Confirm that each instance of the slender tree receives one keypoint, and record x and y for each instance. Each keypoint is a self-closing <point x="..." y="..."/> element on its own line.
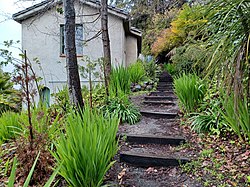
<point x="106" y="42"/>
<point x="71" y="59"/>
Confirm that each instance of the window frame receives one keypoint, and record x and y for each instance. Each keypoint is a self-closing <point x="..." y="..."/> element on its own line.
<point x="62" y="41"/>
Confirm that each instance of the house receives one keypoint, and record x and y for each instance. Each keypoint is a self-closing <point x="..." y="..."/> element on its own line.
<point x="43" y="38"/>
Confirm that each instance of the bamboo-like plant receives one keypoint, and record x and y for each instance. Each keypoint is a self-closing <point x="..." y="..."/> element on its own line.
<point x="87" y="147"/>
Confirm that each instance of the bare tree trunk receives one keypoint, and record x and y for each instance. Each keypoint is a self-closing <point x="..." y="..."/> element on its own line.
<point x="106" y="43"/>
<point x="71" y="59"/>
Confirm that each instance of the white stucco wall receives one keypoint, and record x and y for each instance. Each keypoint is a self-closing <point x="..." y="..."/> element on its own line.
<point x="131" y="50"/>
<point x="41" y="39"/>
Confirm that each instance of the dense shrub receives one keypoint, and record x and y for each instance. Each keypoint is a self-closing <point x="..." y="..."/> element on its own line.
<point x="87" y="147"/>
<point x="185" y="26"/>
<point x="190" y="90"/>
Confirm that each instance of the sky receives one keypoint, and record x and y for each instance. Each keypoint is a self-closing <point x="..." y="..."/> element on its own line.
<point x="9" y="29"/>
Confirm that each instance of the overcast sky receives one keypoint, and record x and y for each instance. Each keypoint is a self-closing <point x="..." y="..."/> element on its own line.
<point x="9" y="29"/>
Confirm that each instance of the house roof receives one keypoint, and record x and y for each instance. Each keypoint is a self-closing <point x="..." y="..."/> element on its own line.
<point x="48" y="4"/>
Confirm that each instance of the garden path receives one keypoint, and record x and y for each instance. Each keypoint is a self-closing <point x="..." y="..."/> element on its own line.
<point x="149" y="154"/>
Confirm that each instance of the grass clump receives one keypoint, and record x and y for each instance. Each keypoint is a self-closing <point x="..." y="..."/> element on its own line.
<point x="85" y="152"/>
<point x="10" y="126"/>
<point x="190" y="91"/>
<point x="137" y="72"/>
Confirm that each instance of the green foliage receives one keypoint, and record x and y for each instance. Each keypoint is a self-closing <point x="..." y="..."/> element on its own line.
<point x="44" y="122"/>
<point x="61" y="103"/>
<point x="184" y="27"/>
<point x="87" y="147"/>
<point x="119" y="84"/>
<point x="189" y="58"/>
<point x="9" y="98"/>
<point x="152" y="69"/>
<point x="137" y="72"/>
<point x="170" y="68"/>
<point x="10" y="126"/>
<point x="190" y="90"/>
<point x="98" y="95"/>
<point x="236" y="115"/>
<point x="206" y="121"/>
<point x="125" y="110"/>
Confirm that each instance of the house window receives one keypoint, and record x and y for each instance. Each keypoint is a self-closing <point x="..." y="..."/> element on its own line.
<point x="78" y="37"/>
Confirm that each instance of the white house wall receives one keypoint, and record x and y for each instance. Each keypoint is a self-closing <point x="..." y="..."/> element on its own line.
<point x="40" y="37"/>
<point x="131" y="50"/>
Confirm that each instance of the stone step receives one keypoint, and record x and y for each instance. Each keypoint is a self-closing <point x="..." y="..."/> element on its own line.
<point x="164" y="89"/>
<point x="147" y="160"/>
<point x="159" y="102"/>
<point x="159" y="114"/>
<point x="159" y="98"/>
<point x="162" y="93"/>
<point x="165" y="81"/>
<point x="154" y="139"/>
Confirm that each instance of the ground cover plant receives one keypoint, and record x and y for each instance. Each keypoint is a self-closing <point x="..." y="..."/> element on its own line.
<point x="85" y="152"/>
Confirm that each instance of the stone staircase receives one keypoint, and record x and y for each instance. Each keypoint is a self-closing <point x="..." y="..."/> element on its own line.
<point x="151" y="142"/>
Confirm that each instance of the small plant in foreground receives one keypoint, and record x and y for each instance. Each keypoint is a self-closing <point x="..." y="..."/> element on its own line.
<point x="87" y="147"/>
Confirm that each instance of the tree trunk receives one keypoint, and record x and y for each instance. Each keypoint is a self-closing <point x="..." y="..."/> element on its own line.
<point x="73" y="78"/>
<point x="106" y="43"/>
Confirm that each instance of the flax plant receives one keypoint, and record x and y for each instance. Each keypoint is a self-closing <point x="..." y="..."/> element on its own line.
<point x="86" y="149"/>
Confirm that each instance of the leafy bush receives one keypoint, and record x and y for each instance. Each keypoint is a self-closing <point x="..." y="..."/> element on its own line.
<point x="137" y="72"/>
<point x="126" y="111"/>
<point x="190" y="90"/>
<point x="119" y="84"/>
<point x="185" y="26"/>
<point x="85" y="152"/>
<point x="10" y="126"/>
<point x="237" y="115"/>
<point x="187" y="57"/>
